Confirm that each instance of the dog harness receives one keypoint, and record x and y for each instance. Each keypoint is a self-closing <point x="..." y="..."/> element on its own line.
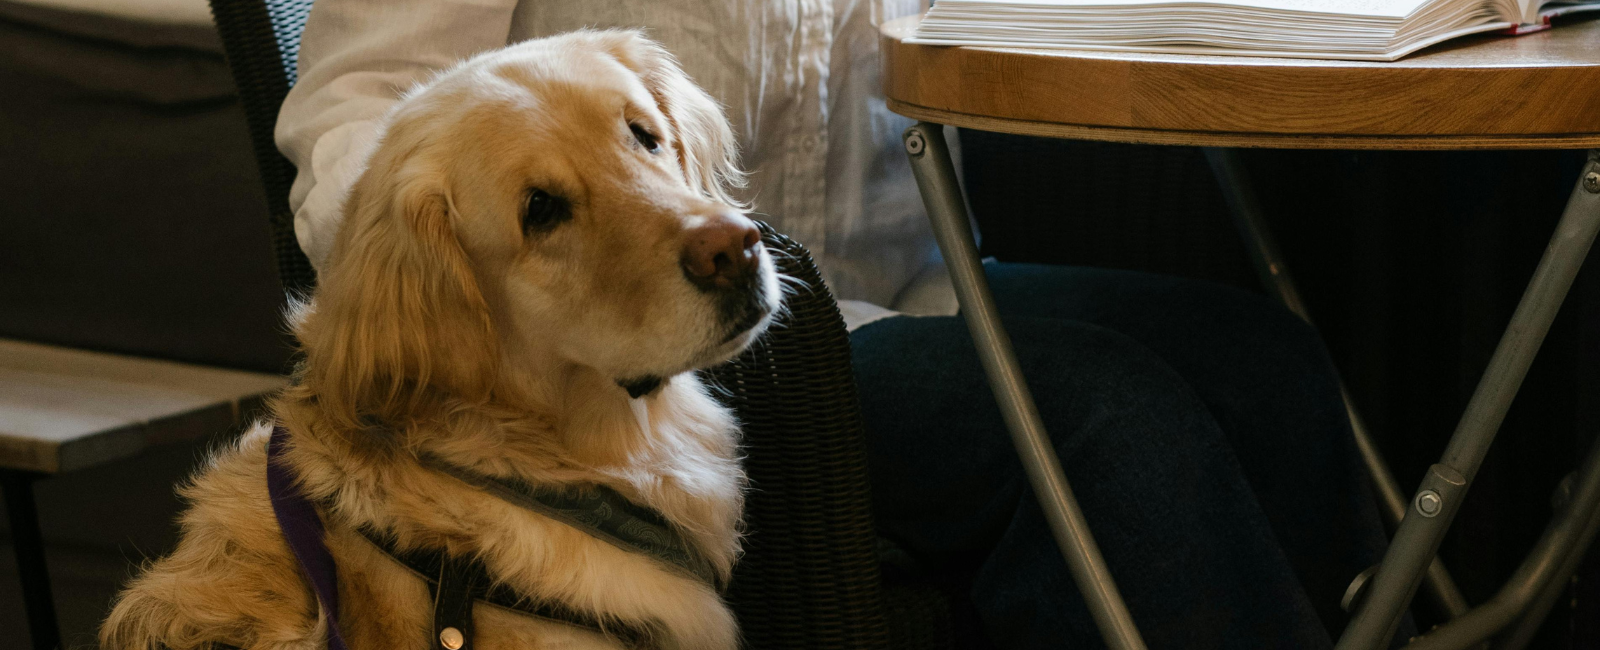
<point x="454" y="582"/>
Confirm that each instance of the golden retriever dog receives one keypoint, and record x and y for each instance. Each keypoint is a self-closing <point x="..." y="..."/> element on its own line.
<point x="542" y="231"/>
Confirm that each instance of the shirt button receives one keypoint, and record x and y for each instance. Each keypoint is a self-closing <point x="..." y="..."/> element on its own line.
<point x="808" y="143"/>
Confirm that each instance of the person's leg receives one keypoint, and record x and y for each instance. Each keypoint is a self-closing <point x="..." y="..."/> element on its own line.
<point x="1266" y="379"/>
<point x="1179" y="526"/>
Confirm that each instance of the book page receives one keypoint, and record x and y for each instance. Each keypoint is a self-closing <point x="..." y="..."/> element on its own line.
<point x="1528" y="11"/>
<point x="1374" y="8"/>
<point x="1542" y="11"/>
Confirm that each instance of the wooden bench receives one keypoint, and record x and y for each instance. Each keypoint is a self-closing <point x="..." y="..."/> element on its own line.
<point x="63" y="409"/>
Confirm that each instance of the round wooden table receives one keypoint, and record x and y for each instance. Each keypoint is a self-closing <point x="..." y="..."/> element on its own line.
<point x="1538" y="91"/>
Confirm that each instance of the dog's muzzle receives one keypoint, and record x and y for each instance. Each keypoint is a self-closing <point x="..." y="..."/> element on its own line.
<point x="742" y="306"/>
<point x="722" y="258"/>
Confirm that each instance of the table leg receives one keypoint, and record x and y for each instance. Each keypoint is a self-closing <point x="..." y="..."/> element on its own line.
<point x="1439" y="497"/>
<point x="29" y="547"/>
<point x="1263" y="248"/>
<point x="1533" y="616"/>
<point x="941" y="194"/>
<point x="1539" y="580"/>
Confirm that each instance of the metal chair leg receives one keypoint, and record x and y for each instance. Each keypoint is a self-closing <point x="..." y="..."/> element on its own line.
<point x="941" y="194"/>
<point x="1439" y="498"/>
<point x="31" y="571"/>
<point x="1251" y="221"/>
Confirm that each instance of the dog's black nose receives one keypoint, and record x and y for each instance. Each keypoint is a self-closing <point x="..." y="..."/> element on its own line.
<point x="721" y="251"/>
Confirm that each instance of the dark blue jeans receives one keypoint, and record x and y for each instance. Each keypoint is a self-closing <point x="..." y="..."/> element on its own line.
<point x="1201" y="428"/>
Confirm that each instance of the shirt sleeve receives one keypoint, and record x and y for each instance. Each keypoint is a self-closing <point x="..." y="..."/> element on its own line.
<point x="357" y="57"/>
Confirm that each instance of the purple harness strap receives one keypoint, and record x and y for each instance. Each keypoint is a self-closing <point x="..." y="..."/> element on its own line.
<point x="302" y="529"/>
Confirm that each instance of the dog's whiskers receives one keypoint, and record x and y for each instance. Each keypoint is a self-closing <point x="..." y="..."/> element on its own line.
<point x="790" y="285"/>
<point x="780" y="254"/>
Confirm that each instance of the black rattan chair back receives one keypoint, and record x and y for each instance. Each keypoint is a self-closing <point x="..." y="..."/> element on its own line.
<point x="261" y="39"/>
<point x="809" y="577"/>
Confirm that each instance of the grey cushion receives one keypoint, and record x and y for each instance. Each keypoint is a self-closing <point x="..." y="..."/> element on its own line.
<point x="132" y="220"/>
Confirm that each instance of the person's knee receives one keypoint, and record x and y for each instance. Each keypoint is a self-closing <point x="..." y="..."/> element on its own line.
<point x="1120" y="399"/>
<point x="1122" y="422"/>
<point x="1083" y="377"/>
<point x="1193" y="324"/>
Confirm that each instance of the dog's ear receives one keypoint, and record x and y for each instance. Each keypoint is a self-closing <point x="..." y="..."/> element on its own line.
<point x="398" y="315"/>
<point x="704" y="143"/>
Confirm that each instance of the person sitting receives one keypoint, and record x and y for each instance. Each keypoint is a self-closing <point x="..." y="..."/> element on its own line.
<point x="1202" y="426"/>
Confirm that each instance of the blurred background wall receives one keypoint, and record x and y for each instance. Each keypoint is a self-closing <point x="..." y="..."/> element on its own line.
<point x="131" y="221"/>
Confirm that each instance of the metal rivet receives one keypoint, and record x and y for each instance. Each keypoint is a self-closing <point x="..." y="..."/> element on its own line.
<point x="1591" y="182"/>
<point x="1429" y="503"/>
<point x="915" y="144"/>
<point x="451" y="638"/>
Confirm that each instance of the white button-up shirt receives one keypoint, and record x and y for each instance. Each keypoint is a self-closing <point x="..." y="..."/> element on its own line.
<point x="799" y="80"/>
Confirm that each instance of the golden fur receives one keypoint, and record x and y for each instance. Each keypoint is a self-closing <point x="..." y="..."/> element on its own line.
<point x="442" y="325"/>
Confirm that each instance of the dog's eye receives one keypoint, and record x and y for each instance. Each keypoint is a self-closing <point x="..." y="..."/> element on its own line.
<point x="646" y="139"/>
<point x="544" y="211"/>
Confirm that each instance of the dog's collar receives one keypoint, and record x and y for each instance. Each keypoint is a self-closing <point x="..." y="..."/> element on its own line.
<point x="640" y="386"/>
<point x="601" y="512"/>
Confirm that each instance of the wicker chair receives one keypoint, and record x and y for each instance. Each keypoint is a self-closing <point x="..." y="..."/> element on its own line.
<point x="810" y="575"/>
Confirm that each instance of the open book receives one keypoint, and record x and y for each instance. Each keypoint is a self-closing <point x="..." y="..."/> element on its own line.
<point x="1381" y="30"/>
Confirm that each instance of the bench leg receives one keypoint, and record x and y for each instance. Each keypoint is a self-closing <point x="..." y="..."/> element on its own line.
<point x="941" y="195"/>
<point x="1439" y="497"/>
<point x="29" y="547"/>
<point x="1263" y="248"/>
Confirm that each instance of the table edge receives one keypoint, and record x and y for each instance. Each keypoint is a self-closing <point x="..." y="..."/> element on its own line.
<point x="1130" y="135"/>
<point x="131" y="439"/>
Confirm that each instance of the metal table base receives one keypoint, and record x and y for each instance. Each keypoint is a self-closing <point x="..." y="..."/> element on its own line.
<point x="1251" y="221"/>
<point x="941" y="193"/>
<point x="1382" y="600"/>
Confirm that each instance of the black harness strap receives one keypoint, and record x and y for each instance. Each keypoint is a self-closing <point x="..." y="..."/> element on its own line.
<point x="465" y="580"/>
<point x="457" y="582"/>
<point x="600" y="511"/>
<point x="452" y="603"/>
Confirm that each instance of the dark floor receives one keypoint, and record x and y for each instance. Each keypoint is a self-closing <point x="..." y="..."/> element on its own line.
<point x="133" y="497"/>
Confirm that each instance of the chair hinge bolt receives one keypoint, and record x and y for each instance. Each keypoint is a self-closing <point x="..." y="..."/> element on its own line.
<point x="915" y="145"/>
<point x="1429" y="503"/>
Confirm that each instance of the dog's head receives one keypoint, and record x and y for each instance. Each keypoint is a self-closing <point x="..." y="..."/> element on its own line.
<point x="562" y="203"/>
